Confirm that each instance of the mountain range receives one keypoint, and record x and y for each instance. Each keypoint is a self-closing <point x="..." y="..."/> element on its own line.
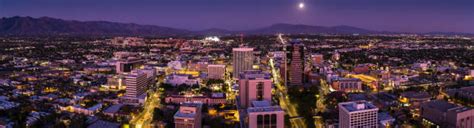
<point x="46" y="26"/>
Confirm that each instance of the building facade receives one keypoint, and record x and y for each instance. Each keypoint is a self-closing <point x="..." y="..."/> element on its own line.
<point x="254" y="85"/>
<point x="242" y="60"/>
<point x="447" y="115"/>
<point x="347" y="84"/>
<point x="263" y="115"/>
<point x="216" y="71"/>
<point x="358" y="114"/>
<point x="136" y="83"/>
<point x="188" y="116"/>
<point x="296" y="62"/>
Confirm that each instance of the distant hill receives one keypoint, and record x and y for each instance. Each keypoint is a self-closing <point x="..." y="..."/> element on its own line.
<point x="44" y="26"/>
<point x="50" y="26"/>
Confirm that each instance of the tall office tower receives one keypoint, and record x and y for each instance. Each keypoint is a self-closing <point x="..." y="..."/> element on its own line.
<point x="216" y="71"/>
<point x="136" y="83"/>
<point x="447" y="115"/>
<point x="358" y="114"/>
<point x="188" y="115"/>
<point x="242" y="60"/>
<point x="317" y="59"/>
<point x="296" y="61"/>
<point x="263" y="115"/>
<point x="254" y="85"/>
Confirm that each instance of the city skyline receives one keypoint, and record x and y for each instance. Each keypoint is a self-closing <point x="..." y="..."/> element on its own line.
<point x="417" y="16"/>
<point x="236" y="63"/>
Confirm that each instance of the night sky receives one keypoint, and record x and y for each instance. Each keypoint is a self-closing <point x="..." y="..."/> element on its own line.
<point x="389" y="15"/>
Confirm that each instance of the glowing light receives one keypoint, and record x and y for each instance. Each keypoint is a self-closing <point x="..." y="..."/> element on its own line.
<point x="301" y="5"/>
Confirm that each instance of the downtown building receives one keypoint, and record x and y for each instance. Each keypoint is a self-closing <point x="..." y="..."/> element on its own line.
<point x="254" y="85"/>
<point x="358" y="114"/>
<point x="127" y="65"/>
<point x="347" y="84"/>
<point x="242" y="60"/>
<point x="263" y="115"/>
<point x="188" y="115"/>
<point x="295" y="56"/>
<point x="215" y="71"/>
<point x="255" y="101"/>
<point x="447" y="115"/>
<point x="137" y="82"/>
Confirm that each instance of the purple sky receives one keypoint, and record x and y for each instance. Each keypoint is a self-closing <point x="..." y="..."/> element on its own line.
<point x="389" y="15"/>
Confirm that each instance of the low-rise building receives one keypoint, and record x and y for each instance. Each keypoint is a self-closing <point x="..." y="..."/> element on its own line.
<point x="447" y="115"/>
<point x="414" y="99"/>
<point x="179" y="79"/>
<point x="211" y="99"/>
<point x="347" y="84"/>
<point x="188" y="115"/>
<point x="215" y="71"/>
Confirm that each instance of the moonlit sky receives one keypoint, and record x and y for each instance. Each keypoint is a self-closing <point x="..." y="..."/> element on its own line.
<point x="382" y="15"/>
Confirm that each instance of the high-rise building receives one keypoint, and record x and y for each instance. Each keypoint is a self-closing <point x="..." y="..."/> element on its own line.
<point x="358" y="114"/>
<point x="136" y="83"/>
<point x="296" y="61"/>
<point x="263" y="115"/>
<point x="254" y="86"/>
<point x="188" y="115"/>
<point x="242" y="60"/>
<point x="215" y="71"/>
<point x="447" y="115"/>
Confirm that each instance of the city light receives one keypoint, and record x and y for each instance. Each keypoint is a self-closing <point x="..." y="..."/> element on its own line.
<point x="239" y="64"/>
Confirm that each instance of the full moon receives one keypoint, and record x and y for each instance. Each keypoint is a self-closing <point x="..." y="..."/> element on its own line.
<point x="301" y="5"/>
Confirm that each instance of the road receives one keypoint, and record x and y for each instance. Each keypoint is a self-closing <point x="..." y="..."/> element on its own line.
<point x="285" y="104"/>
<point x="143" y="119"/>
<point x="323" y="91"/>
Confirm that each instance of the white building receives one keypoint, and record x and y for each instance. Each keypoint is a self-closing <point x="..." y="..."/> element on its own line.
<point x="179" y="79"/>
<point x="357" y="114"/>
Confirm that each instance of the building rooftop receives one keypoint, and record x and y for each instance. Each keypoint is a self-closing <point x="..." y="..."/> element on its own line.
<point x="417" y="95"/>
<point x="357" y="105"/>
<point x="260" y="103"/>
<point x="444" y="106"/>
<point x="104" y="124"/>
<point x="254" y="74"/>
<point x="385" y="116"/>
<point x="113" y="109"/>
<point x="263" y="106"/>
<point x="184" y="115"/>
<point x="264" y="109"/>
<point x="346" y="79"/>
<point x="188" y="114"/>
<point x="242" y="49"/>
